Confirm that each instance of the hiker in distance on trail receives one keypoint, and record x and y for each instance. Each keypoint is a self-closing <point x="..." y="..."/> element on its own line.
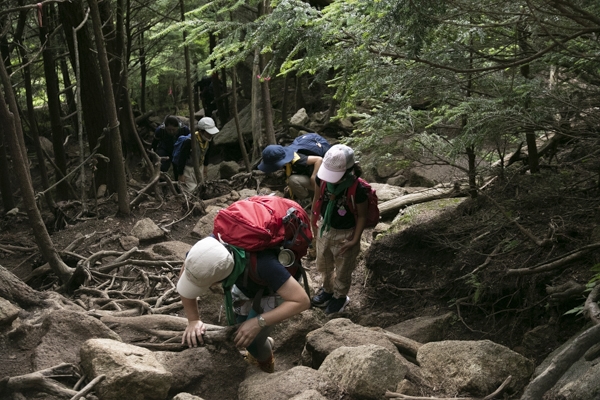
<point x="259" y="276"/>
<point x="301" y="161"/>
<point x="182" y="153"/>
<point x="165" y="136"/>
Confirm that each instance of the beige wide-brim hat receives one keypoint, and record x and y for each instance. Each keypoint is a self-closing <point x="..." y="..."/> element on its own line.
<point x="207" y="263"/>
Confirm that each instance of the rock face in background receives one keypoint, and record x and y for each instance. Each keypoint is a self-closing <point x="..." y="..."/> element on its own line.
<point x="424" y="329"/>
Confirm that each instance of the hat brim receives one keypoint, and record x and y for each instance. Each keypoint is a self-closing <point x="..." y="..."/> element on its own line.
<point x="329" y="176"/>
<point x="269" y="168"/>
<point x="212" y="131"/>
<point x="188" y="290"/>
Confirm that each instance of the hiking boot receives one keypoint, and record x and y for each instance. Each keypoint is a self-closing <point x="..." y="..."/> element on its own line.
<point x="267" y="366"/>
<point x="337" y="305"/>
<point x="321" y="299"/>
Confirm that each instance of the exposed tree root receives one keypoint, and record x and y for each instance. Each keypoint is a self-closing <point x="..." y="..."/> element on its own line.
<point x="393" y="395"/>
<point x="41" y="381"/>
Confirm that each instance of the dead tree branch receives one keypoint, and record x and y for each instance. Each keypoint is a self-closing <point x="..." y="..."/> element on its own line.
<point x="556" y="262"/>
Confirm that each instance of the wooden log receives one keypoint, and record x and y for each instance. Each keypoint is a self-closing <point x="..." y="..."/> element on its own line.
<point x="390" y="207"/>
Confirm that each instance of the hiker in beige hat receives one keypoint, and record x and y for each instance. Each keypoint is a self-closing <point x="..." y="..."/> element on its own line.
<point x="210" y="262"/>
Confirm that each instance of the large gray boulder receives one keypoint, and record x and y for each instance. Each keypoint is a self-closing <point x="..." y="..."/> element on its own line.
<point x="337" y="333"/>
<point x="131" y="372"/>
<point x="473" y="368"/>
<point x="365" y="372"/>
<point x="284" y="385"/>
<point x="211" y="372"/>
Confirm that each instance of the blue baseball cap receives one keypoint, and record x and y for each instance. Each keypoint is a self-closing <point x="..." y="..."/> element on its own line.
<point x="274" y="157"/>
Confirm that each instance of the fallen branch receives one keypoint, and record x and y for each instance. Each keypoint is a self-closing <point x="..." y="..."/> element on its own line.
<point x="561" y="363"/>
<point x="389" y="207"/>
<point x="393" y="395"/>
<point x="556" y="262"/>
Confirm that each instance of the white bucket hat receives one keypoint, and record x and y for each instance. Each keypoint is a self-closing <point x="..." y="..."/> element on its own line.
<point x="207" y="263"/>
<point x="336" y="161"/>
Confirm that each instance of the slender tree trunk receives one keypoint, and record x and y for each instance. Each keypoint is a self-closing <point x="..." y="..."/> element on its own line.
<point x="5" y="185"/>
<point x="530" y="138"/>
<point x="224" y="97"/>
<point x="143" y="74"/>
<point x="257" y="138"/>
<point x="115" y="137"/>
<point x="72" y="107"/>
<point x="265" y="9"/>
<point x="190" y="102"/>
<point x="266" y="105"/>
<point x="284" y="101"/>
<point x="237" y="121"/>
<point x="94" y="112"/>
<point x="9" y="126"/>
<point x="33" y="124"/>
<point x="54" y="108"/>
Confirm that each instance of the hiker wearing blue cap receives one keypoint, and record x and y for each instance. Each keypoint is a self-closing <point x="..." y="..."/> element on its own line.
<point x="301" y="169"/>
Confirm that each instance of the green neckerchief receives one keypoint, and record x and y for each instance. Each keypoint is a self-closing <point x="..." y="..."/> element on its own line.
<point x="239" y="258"/>
<point x="335" y="190"/>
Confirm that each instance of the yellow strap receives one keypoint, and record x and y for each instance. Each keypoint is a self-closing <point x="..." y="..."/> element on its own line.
<point x="288" y="172"/>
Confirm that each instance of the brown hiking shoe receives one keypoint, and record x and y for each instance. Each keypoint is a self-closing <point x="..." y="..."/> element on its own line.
<point x="268" y="365"/>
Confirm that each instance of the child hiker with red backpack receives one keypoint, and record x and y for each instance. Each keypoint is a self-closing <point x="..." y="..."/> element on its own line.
<point x="238" y="257"/>
<point x="340" y="210"/>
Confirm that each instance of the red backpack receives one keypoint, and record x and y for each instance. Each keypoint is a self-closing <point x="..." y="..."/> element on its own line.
<point x="372" y="200"/>
<point x="263" y="222"/>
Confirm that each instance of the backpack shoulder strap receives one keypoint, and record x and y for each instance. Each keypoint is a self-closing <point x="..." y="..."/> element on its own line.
<point x="351" y="196"/>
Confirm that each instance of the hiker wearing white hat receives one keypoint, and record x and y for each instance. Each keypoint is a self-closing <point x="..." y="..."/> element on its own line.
<point x="210" y="262"/>
<point x="341" y="226"/>
<point x="182" y="157"/>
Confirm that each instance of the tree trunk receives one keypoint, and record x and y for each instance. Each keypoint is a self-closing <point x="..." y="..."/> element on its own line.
<point x="115" y="137"/>
<point x="54" y="108"/>
<point x="94" y="111"/>
<point x="257" y="139"/>
<point x="267" y="108"/>
<point x="33" y="124"/>
<point x="20" y="168"/>
<point x="188" y="76"/>
<point x="143" y="74"/>
<point x="72" y="107"/>
<point x="5" y="186"/>
<point x="237" y="121"/>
